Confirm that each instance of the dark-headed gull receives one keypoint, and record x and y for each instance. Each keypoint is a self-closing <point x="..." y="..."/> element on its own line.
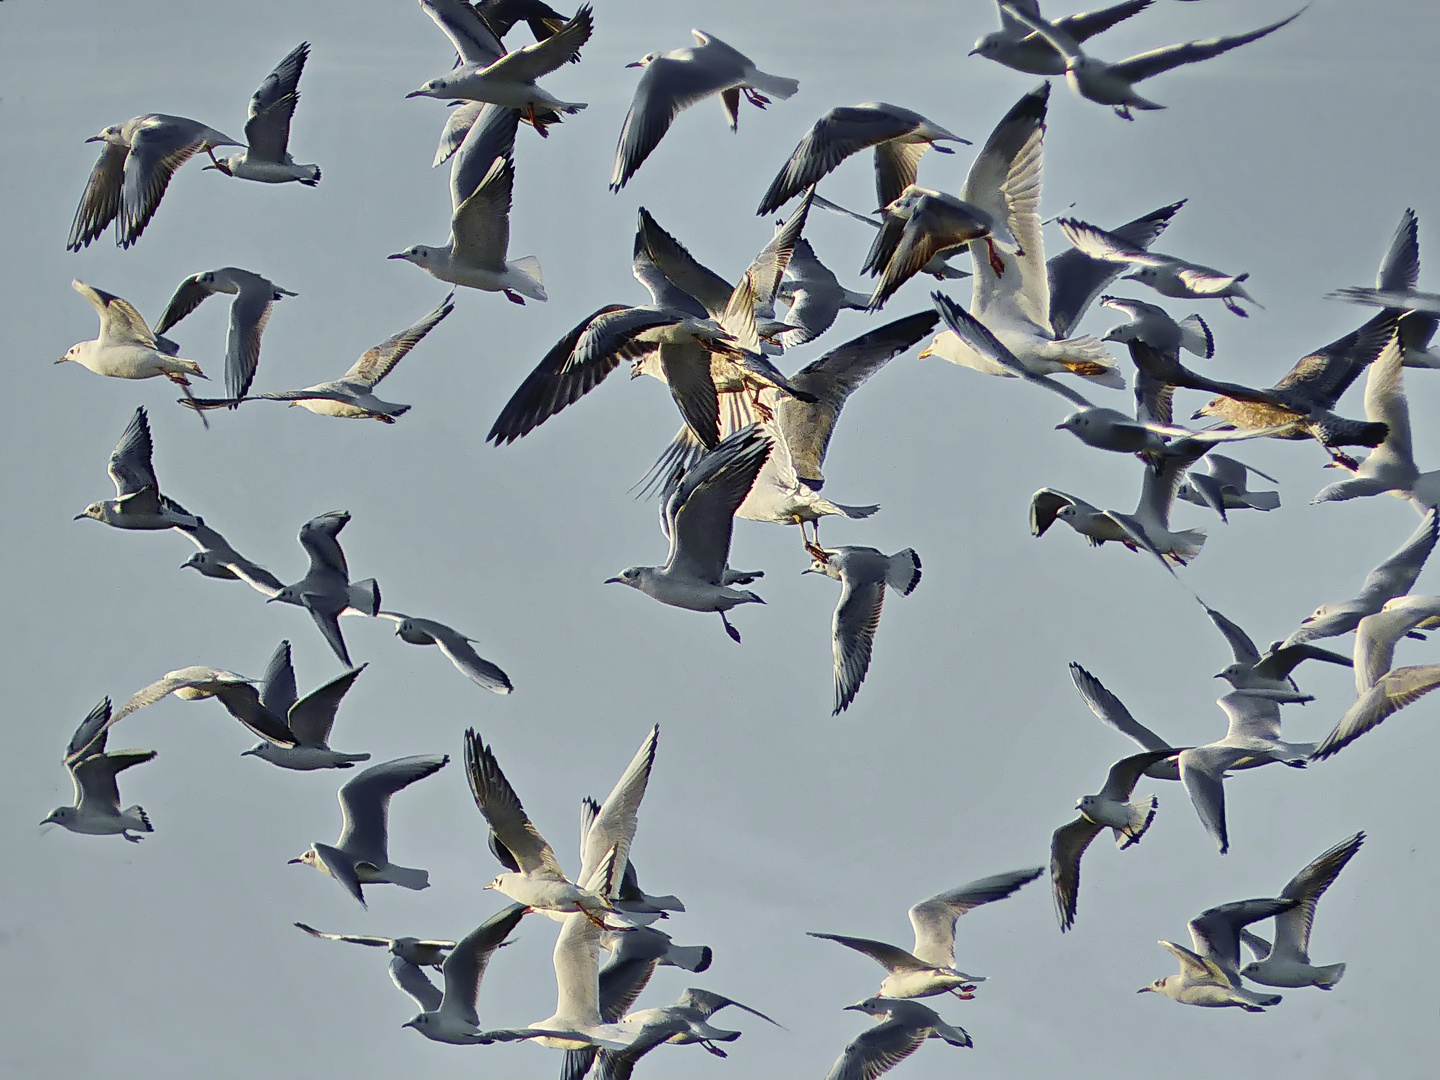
<point x="266" y="157"/>
<point x="361" y="856"/>
<point x="930" y="968"/>
<point x="93" y="769"/>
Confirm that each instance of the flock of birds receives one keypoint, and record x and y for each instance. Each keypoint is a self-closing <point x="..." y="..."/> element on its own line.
<point x="752" y="443"/>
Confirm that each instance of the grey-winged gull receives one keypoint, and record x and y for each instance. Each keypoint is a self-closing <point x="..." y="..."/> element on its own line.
<point x="96" y="811"/>
<point x="266" y="157"/>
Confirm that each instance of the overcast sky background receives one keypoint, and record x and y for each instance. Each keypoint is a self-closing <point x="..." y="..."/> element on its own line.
<point x="967" y="745"/>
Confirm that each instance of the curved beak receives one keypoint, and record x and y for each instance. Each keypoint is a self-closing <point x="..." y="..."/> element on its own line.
<point x="62" y="359"/>
<point x="272" y="599"/>
<point x="1132" y="277"/>
<point x="289" y="861"/>
<point x="397" y="255"/>
<point x="1059" y="427"/>
<point x="635" y="63"/>
<point x="1146" y="990"/>
<point x="973" y="52"/>
<point x="409" y="1024"/>
<point x="96" y="138"/>
<point x="491" y="885"/>
<point x="416" y="93"/>
<point x="607" y="581"/>
<point x="853" y="1008"/>
<point x="927" y="351"/>
<point x="77" y="517"/>
<point x="808" y="570"/>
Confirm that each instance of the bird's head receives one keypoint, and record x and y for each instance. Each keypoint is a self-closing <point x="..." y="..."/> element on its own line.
<point x="61" y="815"/>
<point x="645" y="61"/>
<point x="988" y="46"/>
<point x="73" y="353"/>
<point x="1232" y="673"/>
<point x="874" y="1006"/>
<point x="419" y="1023"/>
<point x="288" y="595"/>
<point x="1146" y="275"/>
<point x="110" y="135"/>
<point x="419" y="254"/>
<point x="221" y="165"/>
<point x="1156" y="987"/>
<point x="631" y="576"/>
<point x="434" y="88"/>
<point x="310" y="858"/>
<point x="94" y="510"/>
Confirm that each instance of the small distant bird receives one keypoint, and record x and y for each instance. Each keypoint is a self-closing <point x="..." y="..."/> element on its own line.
<point x="921" y="225"/>
<point x="138" y="503"/>
<point x="1112" y="809"/>
<point x="1020" y="48"/>
<point x="900" y="138"/>
<point x="267" y="131"/>
<point x="134" y="170"/>
<point x="235" y="692"/>
<point x="904" y="1026"/>
<point x="510" y="81"/>
<point x="1153" y="325"/>
<point x="1287" y="961"/>
<point x="699" y="518"/>
<point x="1165" y="274"/>
<point x="1114" y="84"/>
<point x="126" y="347"/>
<point x="255" y="298"/>
<point x="674" y="81"/>
<point x="930" y="969"/>
<point x="352" y="396"/>
<point x="1209" y="976"/>
<point x="218" y="559"/>
<point x="453" y="1018"/>
<point x="685" y="1023"/>
<point x="422" y="952"/>
<point x="455" y="646"/>
<point x="863" y="573"/>
<point x="361" y="856"/>
<point x="1270" y="670"/>
<point x="482" y="180"/>
<point x="97" y="796"/>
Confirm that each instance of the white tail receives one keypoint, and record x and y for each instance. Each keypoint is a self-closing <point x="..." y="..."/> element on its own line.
<point x="1262" y="500"/>
<point x="408" y="878"/>
<point x="1142" y="813"/>
<point x="690" y="957"/>
<point x="903" y="573"/>
<point x="365" y="596"/>
<point x="138" y="811"/>
<point x="1329" y="976"/>
<point x="774" y="85"/>
<point x="1195" y="336"/>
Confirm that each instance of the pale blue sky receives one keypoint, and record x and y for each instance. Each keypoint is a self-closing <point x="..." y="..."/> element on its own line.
<point x="966" y="747"/>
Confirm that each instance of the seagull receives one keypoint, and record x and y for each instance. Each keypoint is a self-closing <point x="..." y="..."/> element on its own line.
<point x="938" y="267"/>
<point x="1012" y="294"/>
<point x="1165" y="274"/>
<point x="308" y="719"/>
<point x="674" y="81"/>
<point x="255" y="298"/>
<point x="1253" y="736"/>
<point x="217" y="559"/>
<point x="930" y="969"/>
<point x="509" y="81"/>
<point x="1378" y="634"/>
<point x="863" y="573"/>
<point x="267" y="129"/>
<point x="684" y="1023"/>
<point x="1270" y="670"/>
<point x="455" y="646"/>
<point x="1102" y="428"/>
<point x="361" y="857"/>
<point x="1393" y="577"/>
<point x="1390" y="693"/>
<point x="903" y="1027"/>
<point x="138" y="503"/>
<point x="1224" y="487"/>
<point x="134" y="169"/>
<point x="126" y="347"/>
<point x="920" y="225"/>
<point x="1209" y="976"/>
<point x="699" y="517"/>
<point x="1113" y="712"/>
<point x="1395" y="289"/>
<point x="482" y="180"/>
<point x="352" y="396"/>
<point x="1391" y="465"/>
<point x="1111" y="808"/>
<point x="1017" y="46"/>
<point x="899" y="136"/>
<point x="576" y="1022"/>
<point x="453" y="1018"/>
<point x="1152" y="325"/>
<point x="814" y="297"/>
<point x="235" y="692"/>
<point x="97" y="796"/>
<point x="1287" y="962"/>
<point x="326" y="590"/>
<point x="500" y="15"/>
<point x="1309" y="391"/>
<point x="540" y="884"/>
<point x="421" y="952"/>
<point x="1114" y="84"/>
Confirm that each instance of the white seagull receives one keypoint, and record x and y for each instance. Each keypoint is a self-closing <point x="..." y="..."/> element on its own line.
<point x="863" y="573"/>
<point x="134" y="169"/>
<point x="361" y="856"/>
<point x="138" y="503"/>
<point x="1209" y="976"/>
<point x="453" y="1018"/>
<point x="1287" y="961"/>
<point x="308" y="719"/>
<point x="674" y="81"/>
<point x="904" y="1026"/>
<point x="255" y="298"/>
<point x="1020" y="48"/>
<point x="699" y="518"/>
<point x="482" y="181"/>
<point x="266" y="158"/>
<point x="930" y="968"/>
<point x="126" y="347"/>
<point x="1114" y="84"/>
<point x="97" y="797"/>
<point x="455" y="646"/>
<point x="1225" y="487"/>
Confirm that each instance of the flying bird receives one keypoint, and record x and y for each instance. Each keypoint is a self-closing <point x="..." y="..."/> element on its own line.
<point x="266" y="157"/>
<point x="93" y="769"/>
<point x="138" y="503"/>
